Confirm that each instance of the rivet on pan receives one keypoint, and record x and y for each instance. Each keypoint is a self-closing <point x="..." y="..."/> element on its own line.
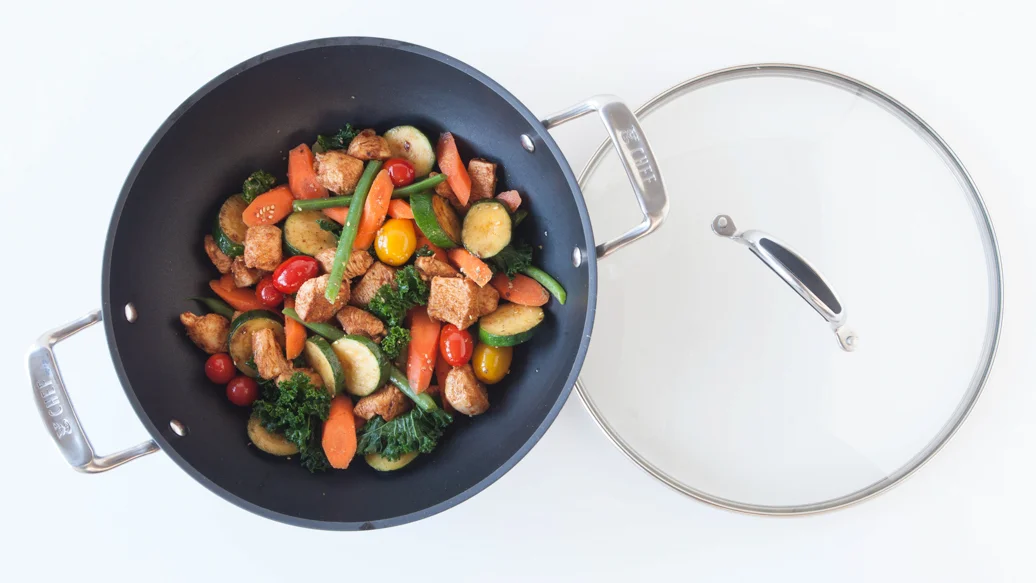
<point x="527" y="143"/>
<point x="577" y="257"/>
<point x="131" y="313"/>
<point x="178" y="427"/>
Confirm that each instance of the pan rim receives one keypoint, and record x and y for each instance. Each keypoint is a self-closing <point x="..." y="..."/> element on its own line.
<point x="547" y="141"/>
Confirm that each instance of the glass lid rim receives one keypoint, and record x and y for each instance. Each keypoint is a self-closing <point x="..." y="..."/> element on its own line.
<point x="993" y="262"/>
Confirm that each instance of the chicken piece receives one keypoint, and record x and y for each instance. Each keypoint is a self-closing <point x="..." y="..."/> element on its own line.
<point x="378" y="275"/>
<point x="464" y="392"/>
<point x="368" y="145"/>
<point x="388" y="402"/>
<point x="243" y="276"/>
<point x="311" y="304"/>
<point x="209" y="332"/>
<point x="443" y="189"/>
<point x="429" y="267"/>
<point x="263" y="247"/>
<point x="511" y="198"/>
<point x="359" y="262"/>
<point x="314" y="378"/>
<point x="357" y="321"/>
<point x="218" y="258"/>
<point x="337" y="171"/>
<point x="483" y="178"/>
<point x="268" y="354"/>
<point x="460" y="301"/>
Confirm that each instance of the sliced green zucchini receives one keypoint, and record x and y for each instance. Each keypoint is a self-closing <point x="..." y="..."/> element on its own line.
<point x="487" y="228"/>
<point x="364" y="365"/>
<point x="229" y="230"/>
<point x="509" y="325"/>
<point x="323" y="359"/>
<point x="410" y="144"/>
<point x="436" y="219"/>
<point x="240" y="338"/>
<point x="271" y="443"/>
<point x="303" y="235"/>
<point x="383" y="464"/>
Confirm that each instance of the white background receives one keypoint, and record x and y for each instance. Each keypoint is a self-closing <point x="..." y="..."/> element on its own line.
<point x="85" y="85"/>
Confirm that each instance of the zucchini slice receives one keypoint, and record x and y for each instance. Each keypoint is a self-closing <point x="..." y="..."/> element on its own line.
<point x="271" y="443"/>
<point x="509" y="325"/>
<point x="240" y="338"/>
<point x="487" y="228"/>
<point x="410" y="144"/>
<point x="229" y="230"/>
<point x="383" y="464"/>
<point x="303" y="235"/>
<point x="323" y="359"/>
<point x="364" y="365"/>
<point x="436" y="219"/>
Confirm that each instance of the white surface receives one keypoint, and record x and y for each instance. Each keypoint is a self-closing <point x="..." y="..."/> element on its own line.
<point x="85" y="87"/>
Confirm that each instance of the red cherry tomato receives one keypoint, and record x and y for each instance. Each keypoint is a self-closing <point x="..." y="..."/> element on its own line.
<point x="400" y="171"/>
<point x="242" y="391"/>
<point x="295" y="271"/>
<point x="219" y="368"/>
<point x="456" y="345"/>
<point x="268" y="294"/>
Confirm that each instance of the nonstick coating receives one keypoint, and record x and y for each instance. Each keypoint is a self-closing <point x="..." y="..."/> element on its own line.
<point x="248" y="118"/>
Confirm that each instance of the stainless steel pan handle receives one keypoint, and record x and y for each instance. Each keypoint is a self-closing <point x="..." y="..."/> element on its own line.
<point x="56" y="408"/>
<point x="635" y="154"/>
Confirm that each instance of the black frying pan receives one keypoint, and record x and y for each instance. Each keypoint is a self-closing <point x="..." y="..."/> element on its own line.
<point x="248" y="118"/>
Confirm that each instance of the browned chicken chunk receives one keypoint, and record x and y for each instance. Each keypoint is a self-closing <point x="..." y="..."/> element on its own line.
<point x="464" y="392"/>
<point x="218" y="258"/>
<point x="429" y="267"/>
<point x="337" y="171"/>
<point x="243" y="275"/>
<point x="357" y="321"/>
<point x="209" y="332"/>
<point x="311" y="304"/>
<point x="459" y="301"/>
<point x="263" y="247"/>
<point x="314" y="378"/>
<point x="483" y="179"/>
<point x="388" y="402"/>
<point x="368" y="145"/>
<point x="268" y="354"/>
<point x="378" y="275"/>
<point x="359" y="262"/>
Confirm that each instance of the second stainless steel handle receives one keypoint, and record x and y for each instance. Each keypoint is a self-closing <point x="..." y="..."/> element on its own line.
<point x="56" y="410"/>
<point x="637" y="159"/>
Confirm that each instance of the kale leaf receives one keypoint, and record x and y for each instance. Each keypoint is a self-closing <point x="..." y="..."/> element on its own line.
<point x="424" y="251"/>
<point x="330" y="226"/>
<point x="338" y="141"/>
<point x="391" y="305"/>
<point x="295" y="408"/>
<point x="395" y="342"/>
<point x="417" y="430"/>
<point x="512" y="259"/>
<point x="259" y="182"/>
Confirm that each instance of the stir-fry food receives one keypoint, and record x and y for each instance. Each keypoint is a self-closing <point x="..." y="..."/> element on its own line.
<point x="348" y="297"/>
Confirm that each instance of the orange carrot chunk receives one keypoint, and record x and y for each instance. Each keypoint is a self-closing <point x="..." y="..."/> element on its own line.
<point x="241" y="299"/>
<point x="471" y="266"/>
<point x="522" y="290"/>
<point x="374" y="210"/>
<point x="424" y="349"/>
<point x="339" y="436"/>
<point x="302" y="177"/>
<point x="269" y="207"/>
<point x="439" y="252"/>
<point x="452" y="166"/>
<point x="400" y="209"/>
<point x="294" y="334"/>
<point x="337" y="214"/>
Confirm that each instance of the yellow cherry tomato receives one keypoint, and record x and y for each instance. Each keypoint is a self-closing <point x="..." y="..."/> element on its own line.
<point x="396" y="241"/>
<point x="491" y="363"/>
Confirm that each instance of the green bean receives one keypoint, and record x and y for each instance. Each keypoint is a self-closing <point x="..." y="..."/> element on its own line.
<point x="326" y="330"/>
<point x="352" y="225"/>
<point x="427" y="183"/>
<point x="548" y="282"/>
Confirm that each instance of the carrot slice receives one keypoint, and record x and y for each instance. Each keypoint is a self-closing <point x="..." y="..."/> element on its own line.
<point x="302" y="177"/>
<point x="242" y="299"/>
<point x="227" y="282"/>
<point x="423" y="241"/>
<point x="511" y="198"/>
<point x="452" y="166"/>
<point x="294" y="333"/>
<point x="522" y="290"/>
<point x="337" y="214"/>
<point x="471" y="266"/>
<point x="374" y="210"/>
<point x="400" y="209"/>
<point x="424" y="349"/>
<point x="269" y="207"/>
<point x="339" y="436"/>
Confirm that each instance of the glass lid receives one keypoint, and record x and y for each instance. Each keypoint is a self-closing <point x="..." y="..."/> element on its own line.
<point x="819" y="311"/>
